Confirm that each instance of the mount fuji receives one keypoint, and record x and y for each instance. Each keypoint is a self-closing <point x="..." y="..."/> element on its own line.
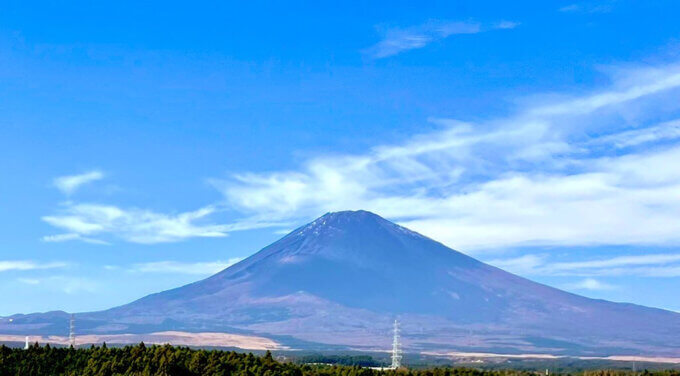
<point x="340" y="281"/>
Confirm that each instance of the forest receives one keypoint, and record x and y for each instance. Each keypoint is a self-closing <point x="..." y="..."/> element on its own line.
<point x="183" y="361"/>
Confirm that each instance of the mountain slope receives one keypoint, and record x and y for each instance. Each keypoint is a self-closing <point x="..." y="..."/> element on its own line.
<point x="341" y="279"/>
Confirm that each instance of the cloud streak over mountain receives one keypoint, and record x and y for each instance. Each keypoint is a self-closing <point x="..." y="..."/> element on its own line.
<point x="557" y="172"/>
<point x="569" y="171"/>
<point x="199" y="268"/>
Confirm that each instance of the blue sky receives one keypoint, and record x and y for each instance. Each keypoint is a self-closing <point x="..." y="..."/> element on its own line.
<point x="144" y="146"/>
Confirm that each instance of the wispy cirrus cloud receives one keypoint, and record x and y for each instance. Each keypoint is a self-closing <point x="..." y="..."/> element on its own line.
<point x="7" y="265"/>
<point x="398" y="40"/>
<point x="591" y="284"/>
<point x="522" y="265"/>
<point x="563" y="171"/>
<point x="98" y="223"/>
<point x="85" y="221"/>
<point x="103" y="223"/>
<point x="59" y="238"/>
<point x="648" y="265"/>
<point x="70" y="184"/>
<point x="619" y="261"/>
<point x="664" y="132"/>
<point x="589" y="7"/>
<point x="175" y="267"/>
<point x="64" y="284"/>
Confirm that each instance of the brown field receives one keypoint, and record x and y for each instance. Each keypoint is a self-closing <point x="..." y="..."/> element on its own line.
<point x="171" y="337"/>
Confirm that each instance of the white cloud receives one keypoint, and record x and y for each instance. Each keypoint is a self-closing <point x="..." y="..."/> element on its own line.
<point x="7" y="265"/>
<point x="71" y="236"/>
<point x="589" y="7"/>
<point x="667" y="131"/>
<point x="667" y="271"/>
<point x="653" y="259"/>
<point x="64" y="284"/>
<point x="523" y="265"/>
<point x="73" y="285"/>
<point x="559" y="172"/>
<point x="397" y="40"/>
<point x="91" y="222"/>
<point x="69" y="184"/>
<point x="201" y="268"/>
<point x="651" y="85"/>
<point x="29" y="281"/>
<point x="590" y="284"/>
<point x="60" y="238"/>
<point x="647" y="265"/>
<point x="506" y="25"/>
<point x="83" y="221"/>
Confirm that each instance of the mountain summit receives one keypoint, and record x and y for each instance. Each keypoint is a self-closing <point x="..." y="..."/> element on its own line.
<point x="341" y="279"/>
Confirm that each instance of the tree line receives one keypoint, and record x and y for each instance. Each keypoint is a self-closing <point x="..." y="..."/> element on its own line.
<point x="170" y="360"/>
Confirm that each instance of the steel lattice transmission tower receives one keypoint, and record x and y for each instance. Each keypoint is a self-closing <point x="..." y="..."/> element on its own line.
<point x="396" y="347"/>
<point x="72" y="331"/>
